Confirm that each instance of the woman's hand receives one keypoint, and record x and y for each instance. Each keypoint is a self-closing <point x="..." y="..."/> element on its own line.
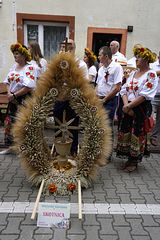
<point x="126" y="109"/>
<point x="10" y="97"/>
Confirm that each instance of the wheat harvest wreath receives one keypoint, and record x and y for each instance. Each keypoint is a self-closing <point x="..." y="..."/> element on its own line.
<point x="63" y="80"/>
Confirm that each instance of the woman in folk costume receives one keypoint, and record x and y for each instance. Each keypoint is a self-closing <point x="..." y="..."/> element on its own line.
<point x="90" y="59"/>
<point x="137" y="93"/>
<point x="20" y="81"/>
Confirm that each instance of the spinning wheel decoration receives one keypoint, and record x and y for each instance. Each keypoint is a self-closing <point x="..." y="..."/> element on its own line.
<point x="62" y="81"/>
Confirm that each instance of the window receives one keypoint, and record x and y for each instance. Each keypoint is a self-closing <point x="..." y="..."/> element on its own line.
<point x="48" y="30"/>
<point x="48" y="35"/>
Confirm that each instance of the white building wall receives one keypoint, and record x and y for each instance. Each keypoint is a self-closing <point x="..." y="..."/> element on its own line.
<point x="143" y="15"/>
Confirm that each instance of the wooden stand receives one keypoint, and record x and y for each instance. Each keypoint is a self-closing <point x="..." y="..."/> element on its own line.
<point x="79" y="200"/>
<point x="37" y="200"/>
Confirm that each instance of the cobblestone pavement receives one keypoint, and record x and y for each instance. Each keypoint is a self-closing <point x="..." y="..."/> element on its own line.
<point x="119" y="206"/>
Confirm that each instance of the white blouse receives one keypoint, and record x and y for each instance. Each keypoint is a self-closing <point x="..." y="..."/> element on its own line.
<point x="25" y="77"/>
<point x="39" y="70"/>
<point x="93" y="72"/>
<point x="146" y="86"/>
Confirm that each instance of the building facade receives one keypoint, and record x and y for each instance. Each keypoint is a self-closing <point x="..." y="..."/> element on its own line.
<point x="90" y="23"/>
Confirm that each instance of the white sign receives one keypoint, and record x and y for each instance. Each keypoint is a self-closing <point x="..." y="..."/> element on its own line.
<point x="53" y="215"/>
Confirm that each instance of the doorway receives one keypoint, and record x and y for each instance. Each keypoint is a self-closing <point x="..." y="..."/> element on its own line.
<point x="99" y="37"/>
<point x="104" y="39"/>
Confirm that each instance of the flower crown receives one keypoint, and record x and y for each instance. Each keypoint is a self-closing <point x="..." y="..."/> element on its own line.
<point x="90" y="54"/>
<point x="18" y="47"/>
<point x="145" y="53"/>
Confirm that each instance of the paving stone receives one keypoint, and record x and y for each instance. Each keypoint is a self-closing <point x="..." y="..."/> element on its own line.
<point x="27" y="232"/>
<point x="152" y="185"/>
<point x="100" y="197"/>
<point x="150" y="199"/>
<point x="7" y="177"/>
<point x="109" y="237"/>
<point x="115" y="200"/>
<point x="153" y="232"/>
<point x="135" y="194"/>
<point x="76" y="237"/>
<point x="108" y="184"/>
<point x="75" y="226"/>
<point x="13" y="225"/>
<point x="59" y="234"/>
<point x="130" y="184"/>
<point x="97" y="188"/>
<point x="44" y="230"/>
<point x="141" y="238"/>
<point x="9" y="198"/>
<point x="87" y="194"/>
<point x="149" y="221"/>
<point x="91" y="232"/>
<point x="12" y="192"/>
<point x="106" y="226"/>
<point x="43" y="237"/>
<point x="143" y="189"/>
<point x="136" y="226"/>
<point x="123" y="232"/>
<point x="120" y="220"/>
<point x="4" y="186"/>
<point x="23" y="196"/>
<point x="90" y="220"/>
<point x="111" y="193"/>
<point x="3" y="218"/>
<point x="124" y="197"/>
<point x="17" y="182"/>
<point x="10" y="237"/>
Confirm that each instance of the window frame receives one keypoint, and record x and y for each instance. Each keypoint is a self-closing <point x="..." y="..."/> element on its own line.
<point x="41" y="30"/>
<point x="23" y="17"/>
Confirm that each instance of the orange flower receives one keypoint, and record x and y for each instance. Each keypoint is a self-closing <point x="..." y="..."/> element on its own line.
<point x="71" y="187"/>
<point x="52" y="188"/>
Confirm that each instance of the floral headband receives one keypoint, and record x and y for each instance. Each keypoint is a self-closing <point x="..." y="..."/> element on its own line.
<point x="18" y="47"/>
<point x="90" y="54"/>
<point x="145" y="53"/>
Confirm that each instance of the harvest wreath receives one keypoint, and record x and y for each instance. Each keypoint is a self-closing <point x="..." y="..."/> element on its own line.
<point x="63" y="80"/>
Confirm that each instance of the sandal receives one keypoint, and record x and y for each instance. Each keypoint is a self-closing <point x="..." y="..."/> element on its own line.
<point x="153" y="142"/>
<point x="126" y="164"/>
<point x="130" y="168"/>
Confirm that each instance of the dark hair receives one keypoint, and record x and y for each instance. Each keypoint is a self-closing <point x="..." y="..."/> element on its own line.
<point x="106" y="51"/>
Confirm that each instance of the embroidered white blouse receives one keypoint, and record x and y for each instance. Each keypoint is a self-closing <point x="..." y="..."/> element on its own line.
<point x="26" y="77"/>
<point x="145" y="86"/>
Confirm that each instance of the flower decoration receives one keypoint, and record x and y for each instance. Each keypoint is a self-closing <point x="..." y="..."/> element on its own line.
<point x="149" y="85"/>
<point x="22" y="147"/>
<point x="94" y="109"/>
<point x="106" y="76"/>
<point x="54" y="92"/>
<point x="71" y="187"/>
<point x="145" y="53"/>
<point x="90" y="54"/>
<point x="74" y="92"/>
<point x="152" y="75"/>
<point x="132" y="86"/>
<point x="21" y="49"/>
<point x="64" y="64"/>
<point x="52" y="188"/>
<point x="14" y="77"/>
